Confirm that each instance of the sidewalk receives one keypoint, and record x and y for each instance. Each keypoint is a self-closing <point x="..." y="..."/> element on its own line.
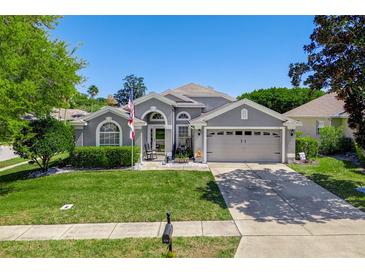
<point x="116" y="230"/>
<point x="12" y="166"/>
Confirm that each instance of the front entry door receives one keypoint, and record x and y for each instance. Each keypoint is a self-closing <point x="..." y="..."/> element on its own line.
<point x="158" y="139"/>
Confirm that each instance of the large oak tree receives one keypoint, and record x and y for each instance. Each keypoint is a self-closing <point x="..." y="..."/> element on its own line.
<point x="37" y="73"/>
<point x="336" y="61"/>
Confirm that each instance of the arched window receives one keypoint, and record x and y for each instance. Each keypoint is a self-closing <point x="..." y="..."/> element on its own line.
<point x="244" y="114"/>
<point x="183" y="116"/>
<point x="109" y="135"/>
<point x="155" y="116"/>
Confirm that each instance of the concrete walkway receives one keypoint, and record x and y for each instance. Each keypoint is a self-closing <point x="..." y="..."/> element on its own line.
<point x="281" y="213"/>
<point x="116" y="230"/>
<point x="12" y="166"/>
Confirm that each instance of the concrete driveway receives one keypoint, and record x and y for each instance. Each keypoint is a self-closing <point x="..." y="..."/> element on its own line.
<point x="281" y="213"/>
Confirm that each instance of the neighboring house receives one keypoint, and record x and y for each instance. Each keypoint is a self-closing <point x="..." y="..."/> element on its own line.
<point x="68" y="114"/>
<point x="211" y="123"/>
<point x="326" y="110"/>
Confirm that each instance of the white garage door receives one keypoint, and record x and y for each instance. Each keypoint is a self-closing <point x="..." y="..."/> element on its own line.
<point x="244" y="145"/>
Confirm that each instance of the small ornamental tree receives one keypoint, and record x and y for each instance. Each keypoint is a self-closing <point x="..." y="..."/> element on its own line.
<point x="42" y="139"/>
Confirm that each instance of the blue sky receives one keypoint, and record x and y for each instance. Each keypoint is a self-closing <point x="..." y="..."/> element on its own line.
<point x="232" y="54"/>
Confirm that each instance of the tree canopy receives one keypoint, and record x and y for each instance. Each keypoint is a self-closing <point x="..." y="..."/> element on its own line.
<point x="131" y="82"/>
<point x="36" y="72"/>
<point x="282" y="99"/>
<point x="336" y="61"/>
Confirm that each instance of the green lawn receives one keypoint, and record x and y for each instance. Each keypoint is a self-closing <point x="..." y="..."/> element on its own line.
<point x="109" y="196"/>
<point x="339" y="177"/>
<point x="192" y="247"/>
<point x="11" y="162"/>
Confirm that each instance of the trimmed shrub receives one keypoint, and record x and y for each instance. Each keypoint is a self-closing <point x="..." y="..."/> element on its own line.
<point x="330" y="140"/>
<point x="104" y="157"/>
<point x="308" y="145"/>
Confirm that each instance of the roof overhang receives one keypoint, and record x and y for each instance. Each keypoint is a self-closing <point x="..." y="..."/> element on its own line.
<point x="190" y="105"/>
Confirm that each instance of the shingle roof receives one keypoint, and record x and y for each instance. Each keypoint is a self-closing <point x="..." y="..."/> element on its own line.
<point x="195" y="90"/>
<point x="325" y="106"/>
<point x="71" y="114"/>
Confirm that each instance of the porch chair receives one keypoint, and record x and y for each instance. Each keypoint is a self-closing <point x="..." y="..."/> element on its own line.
<point x="150" y="154"/>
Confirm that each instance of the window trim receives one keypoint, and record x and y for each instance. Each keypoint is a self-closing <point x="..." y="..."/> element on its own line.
<point x="319" y="124"/>
<point x="177" y="132"/>
<point x="183" y="119"/>
<point x="244" y="114"/>
<point x="108" y="120"/>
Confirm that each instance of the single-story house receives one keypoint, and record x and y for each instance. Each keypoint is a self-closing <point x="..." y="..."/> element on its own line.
<point x="212" y="124"/>
<point x="326" y="110"/>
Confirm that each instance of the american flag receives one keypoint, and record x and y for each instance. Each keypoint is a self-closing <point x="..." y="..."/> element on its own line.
<point x="131" y="115"/>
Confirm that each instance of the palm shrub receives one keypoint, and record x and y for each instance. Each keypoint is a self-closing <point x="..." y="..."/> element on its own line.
<point x="42" y="139"/>
<point x="308" y="145"/>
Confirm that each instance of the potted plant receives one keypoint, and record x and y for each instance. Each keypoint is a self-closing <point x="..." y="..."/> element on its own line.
<point x="181" y="156"/>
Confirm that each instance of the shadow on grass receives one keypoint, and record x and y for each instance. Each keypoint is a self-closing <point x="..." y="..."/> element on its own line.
<point x="212" y="194"/>
<point x="345" y="189"/>
<point x="19" y="173"/>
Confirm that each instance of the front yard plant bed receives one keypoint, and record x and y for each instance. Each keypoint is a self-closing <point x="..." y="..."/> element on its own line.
<point x="192" y="247"/>
<point x="338" y="176"/>
<point x="109" y="196"/>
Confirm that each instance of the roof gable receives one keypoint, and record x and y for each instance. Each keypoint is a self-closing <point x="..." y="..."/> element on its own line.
<point x="117" y="111"/>
<point x="155" y="96"/>
<point x="225" y="108"/>
<point x="325" y="106"/>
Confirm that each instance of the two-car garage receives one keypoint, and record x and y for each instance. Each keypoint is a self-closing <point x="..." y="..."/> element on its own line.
<point x="244" y="145"/>
<point x="244" y="131"/>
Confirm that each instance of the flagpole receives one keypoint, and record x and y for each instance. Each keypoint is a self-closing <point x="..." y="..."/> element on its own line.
<point x="132" y="152"/>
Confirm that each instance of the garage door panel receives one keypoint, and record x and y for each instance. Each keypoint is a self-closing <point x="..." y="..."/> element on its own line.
<point x="245" y="146"/>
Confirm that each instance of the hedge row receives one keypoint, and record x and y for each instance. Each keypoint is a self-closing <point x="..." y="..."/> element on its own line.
<point x="308" y="145"/>
<point x="104" y="157"/>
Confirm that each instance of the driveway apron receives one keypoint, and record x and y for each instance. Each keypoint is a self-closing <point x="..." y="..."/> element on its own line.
<point x="281" y="213"/>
